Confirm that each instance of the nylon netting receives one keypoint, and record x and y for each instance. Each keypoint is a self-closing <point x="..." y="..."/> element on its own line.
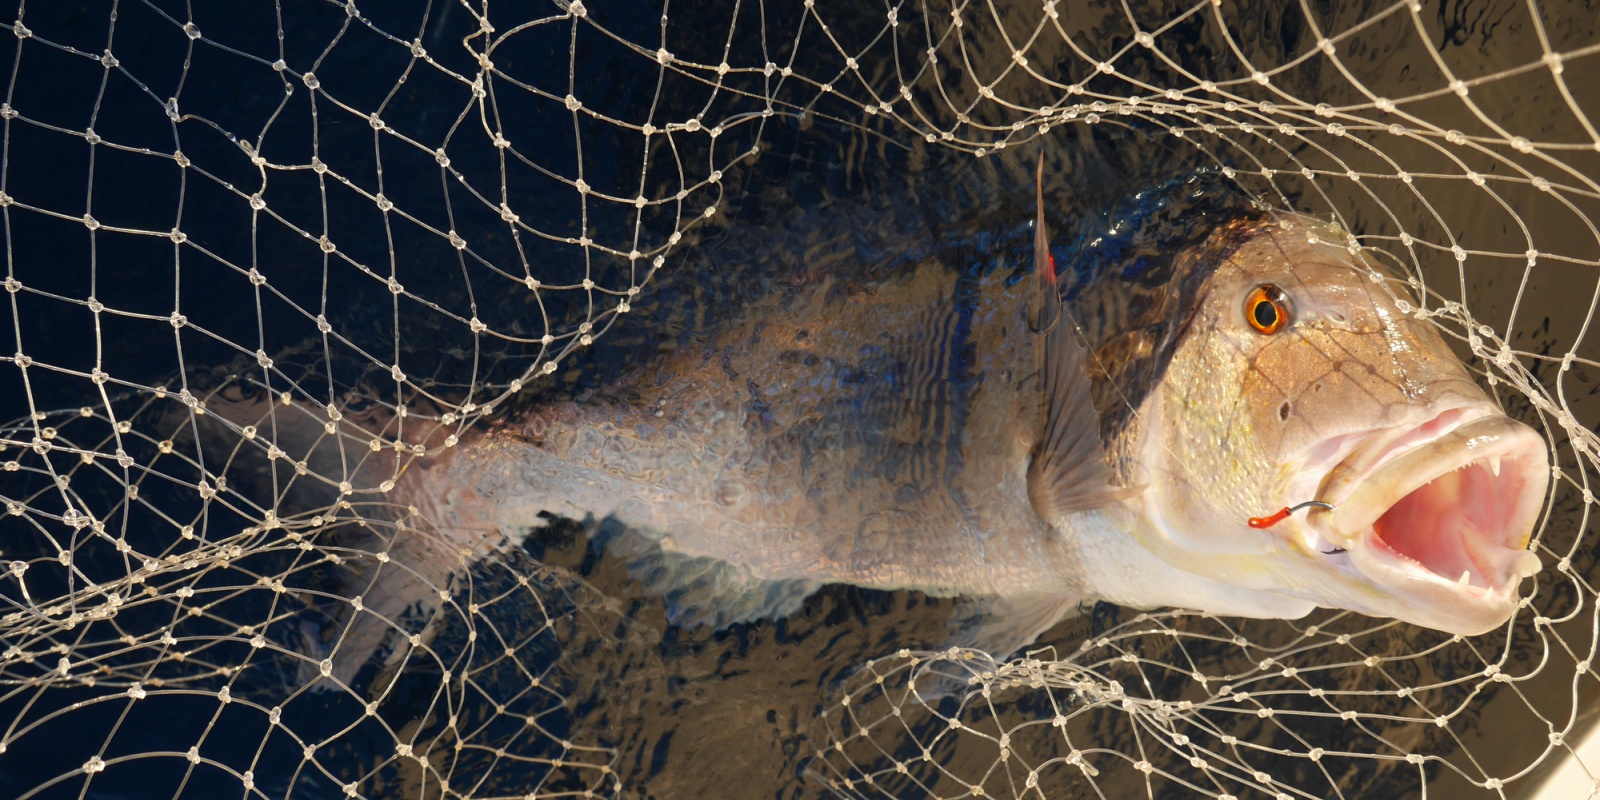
<point x="400" y="220"/>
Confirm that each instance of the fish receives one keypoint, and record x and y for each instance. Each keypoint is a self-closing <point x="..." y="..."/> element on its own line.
<point x="1117" y="426"/>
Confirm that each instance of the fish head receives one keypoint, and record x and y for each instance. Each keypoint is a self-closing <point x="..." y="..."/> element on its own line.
<point x="1305" y="374"/>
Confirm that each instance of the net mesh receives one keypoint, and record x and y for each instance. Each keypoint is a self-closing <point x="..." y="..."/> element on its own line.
<point x="397" y="221"/>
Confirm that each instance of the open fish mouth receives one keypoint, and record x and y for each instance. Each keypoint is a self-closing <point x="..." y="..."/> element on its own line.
<point x="1437" y="517"/>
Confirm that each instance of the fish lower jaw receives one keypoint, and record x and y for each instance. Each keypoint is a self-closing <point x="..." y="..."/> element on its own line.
<point x="1378" y="559"/>
<point x="1401" y="587"/>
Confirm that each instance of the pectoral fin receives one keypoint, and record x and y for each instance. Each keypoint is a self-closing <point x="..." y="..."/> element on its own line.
<point x="1068" y="472"/>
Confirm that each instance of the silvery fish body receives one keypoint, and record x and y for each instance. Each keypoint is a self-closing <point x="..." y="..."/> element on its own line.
<point x="1103" y="428"/>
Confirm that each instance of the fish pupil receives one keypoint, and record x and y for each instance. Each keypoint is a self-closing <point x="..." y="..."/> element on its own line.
<point x="1266" y="314"/>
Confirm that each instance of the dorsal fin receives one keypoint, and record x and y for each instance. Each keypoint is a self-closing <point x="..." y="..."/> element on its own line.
<point x="1068" y="472"/>
<point x="1044" y="309"/>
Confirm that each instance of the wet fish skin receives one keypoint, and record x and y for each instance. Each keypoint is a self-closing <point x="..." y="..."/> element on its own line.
<point x="889" y="435"/>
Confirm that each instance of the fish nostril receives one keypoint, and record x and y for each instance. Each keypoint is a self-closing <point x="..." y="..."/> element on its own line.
<point x="1283" y="411"/>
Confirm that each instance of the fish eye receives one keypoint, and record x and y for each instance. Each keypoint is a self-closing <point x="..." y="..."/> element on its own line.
<point x="1266" y="308"/>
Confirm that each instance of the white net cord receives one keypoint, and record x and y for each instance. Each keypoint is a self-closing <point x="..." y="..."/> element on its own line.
<point x="266" y="262"/>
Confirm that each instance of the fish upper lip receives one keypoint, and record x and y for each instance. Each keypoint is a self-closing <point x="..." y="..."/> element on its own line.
<point x="1379" y="447"/>
<point x="1459" y="493"/>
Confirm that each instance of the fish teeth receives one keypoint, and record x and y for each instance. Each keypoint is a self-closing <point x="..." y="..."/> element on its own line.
<point x="1462" y="581"/>
<point x="1494" y="465"/>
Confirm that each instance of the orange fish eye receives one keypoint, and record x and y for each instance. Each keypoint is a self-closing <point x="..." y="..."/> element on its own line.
<point x="1266" y="308"/>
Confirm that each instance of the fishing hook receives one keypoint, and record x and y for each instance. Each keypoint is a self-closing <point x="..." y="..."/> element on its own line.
<point x="1283" y="513"/>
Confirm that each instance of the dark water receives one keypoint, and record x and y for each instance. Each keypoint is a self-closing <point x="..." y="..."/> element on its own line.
<point x="687" y="712"/>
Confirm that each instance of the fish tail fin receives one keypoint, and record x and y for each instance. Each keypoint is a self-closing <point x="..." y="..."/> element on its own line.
<point x="389" y="565"/>
<point x="393" y="583"/>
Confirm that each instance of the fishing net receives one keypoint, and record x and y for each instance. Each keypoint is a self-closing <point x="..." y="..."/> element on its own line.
<point x="265" y="260"/>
